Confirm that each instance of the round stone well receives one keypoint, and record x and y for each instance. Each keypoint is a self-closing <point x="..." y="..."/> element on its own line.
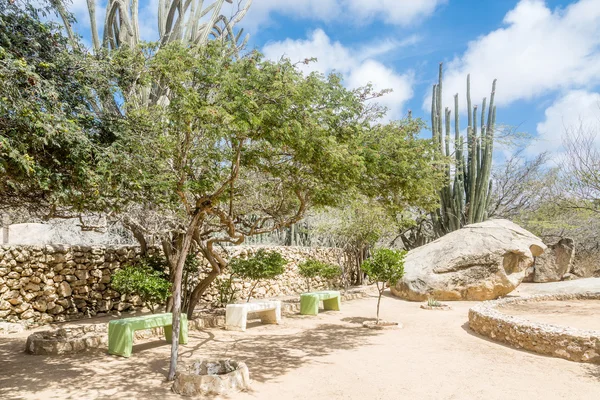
<point x="211" y="377"/>
<point x="66" y="340"/>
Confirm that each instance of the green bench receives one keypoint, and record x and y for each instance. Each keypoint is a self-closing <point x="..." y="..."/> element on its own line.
<point x="309" y="302"/>
<point x="120" y="331"/>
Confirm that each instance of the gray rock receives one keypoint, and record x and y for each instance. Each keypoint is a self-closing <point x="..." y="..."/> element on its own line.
<point x="479" y="262"/>
<point x="555" y="262"/>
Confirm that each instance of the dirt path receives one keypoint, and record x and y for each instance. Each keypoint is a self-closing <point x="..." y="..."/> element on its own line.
<point x="331" y="356"/>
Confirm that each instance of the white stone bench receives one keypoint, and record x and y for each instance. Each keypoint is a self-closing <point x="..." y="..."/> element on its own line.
<point x="236" y="315"/>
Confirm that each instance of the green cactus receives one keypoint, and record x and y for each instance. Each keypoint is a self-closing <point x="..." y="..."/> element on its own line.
<point x="465" y="198"/>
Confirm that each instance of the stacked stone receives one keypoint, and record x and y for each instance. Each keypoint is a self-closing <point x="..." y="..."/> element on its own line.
<point x="290" y="282"/>
<point x="42" y="284"/>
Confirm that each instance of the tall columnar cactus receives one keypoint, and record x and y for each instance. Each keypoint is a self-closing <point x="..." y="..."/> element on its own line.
<point x="190" y="21"/>
<point x="465" y="198"/>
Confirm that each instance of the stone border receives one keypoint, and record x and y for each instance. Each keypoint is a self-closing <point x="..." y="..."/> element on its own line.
<point x="211" y="377"/>
<point x="564" y="342"/>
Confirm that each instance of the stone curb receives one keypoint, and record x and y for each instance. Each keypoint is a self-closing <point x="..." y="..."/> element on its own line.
<point x="564" y="342"/>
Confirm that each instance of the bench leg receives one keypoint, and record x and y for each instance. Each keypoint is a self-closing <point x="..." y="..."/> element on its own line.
<point x="183" y="331"/>
<point x="332" y="304"/>
<point x="120" y="340"/>
<point x="236" y="319"/>
<point x="271" y="316"/>
<point x="309" y="305"/>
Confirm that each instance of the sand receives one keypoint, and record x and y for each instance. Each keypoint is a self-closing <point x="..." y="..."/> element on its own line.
<point x="582" y="314"/>
<point x="330" y="356"/>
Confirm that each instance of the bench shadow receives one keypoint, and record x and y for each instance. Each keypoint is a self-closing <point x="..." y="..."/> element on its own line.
<point x="357" y="320"/>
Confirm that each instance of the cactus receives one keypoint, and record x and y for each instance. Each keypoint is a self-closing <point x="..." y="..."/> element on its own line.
<point x="465" y="197"/>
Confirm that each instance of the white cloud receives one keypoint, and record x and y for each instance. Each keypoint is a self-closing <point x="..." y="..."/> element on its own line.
<point x="396" y="12"/>
<point x="357" y="66"/>
<point x="575" y="108"/>
<point x="539" y="50"/>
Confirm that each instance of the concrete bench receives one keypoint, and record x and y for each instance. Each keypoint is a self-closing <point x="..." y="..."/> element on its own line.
<point x="309" y="302"/>
<point x="120" y="331"/>
<point x="236" y="315"/>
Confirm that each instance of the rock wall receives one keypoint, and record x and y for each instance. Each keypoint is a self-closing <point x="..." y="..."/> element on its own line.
<point x="558" y="341"/>
<point x="43" y="284"/>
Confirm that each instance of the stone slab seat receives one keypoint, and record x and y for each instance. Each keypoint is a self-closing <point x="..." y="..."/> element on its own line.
<point x="236" y="315"/>
<point x="309" y="302"/>
<point x="120" y="331"/>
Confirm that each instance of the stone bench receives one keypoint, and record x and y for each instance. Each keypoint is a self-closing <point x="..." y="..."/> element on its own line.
<point x="236" y="315"/>
<point x="309" y="302"/>
<point x="120" y="331"/>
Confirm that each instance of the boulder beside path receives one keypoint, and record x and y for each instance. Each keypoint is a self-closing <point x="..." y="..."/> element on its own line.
<point x="481" y="261"/>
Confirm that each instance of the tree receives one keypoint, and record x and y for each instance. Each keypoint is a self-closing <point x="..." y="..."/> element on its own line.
<point x="239" y="148"/>
<point x="384" y="266"/>
<point x="580" y="168"/>
<point x="262" y="265"/>
<point x="311" y="268"/>
<point x="52" y="141"/>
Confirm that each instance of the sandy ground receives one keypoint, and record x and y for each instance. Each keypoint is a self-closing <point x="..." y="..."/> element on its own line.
<point x="582" y="314"/>
<point x="330" y="356"/>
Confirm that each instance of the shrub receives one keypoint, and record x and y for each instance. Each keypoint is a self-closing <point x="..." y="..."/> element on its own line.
<point x="311" y="268"/>
<point x="262" y="265"/>
<point x="144" y="280"/>
<point x="384" y="266"/>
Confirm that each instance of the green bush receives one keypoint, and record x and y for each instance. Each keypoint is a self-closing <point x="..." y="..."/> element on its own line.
<point x="384" y="266"/>
<point x="311" y="268"/>
<point x="144" y="280"/>
<point x="263" y="265"/>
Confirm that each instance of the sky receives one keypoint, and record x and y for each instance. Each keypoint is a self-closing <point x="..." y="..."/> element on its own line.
<point x="544" y="54"/>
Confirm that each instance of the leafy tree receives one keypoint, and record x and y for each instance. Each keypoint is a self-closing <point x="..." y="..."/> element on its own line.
<point x="145" y="280"/>
<point x="384" y="266"/>
<point x="311" y="268"/>
<point x="236" y="149"/>
<point x="53" y="131"/>
<point x="262" y="265"/>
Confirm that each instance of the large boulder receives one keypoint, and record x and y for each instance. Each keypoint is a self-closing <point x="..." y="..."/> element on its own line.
<point x="555" y="262"/>
<point x="478" y="262"/>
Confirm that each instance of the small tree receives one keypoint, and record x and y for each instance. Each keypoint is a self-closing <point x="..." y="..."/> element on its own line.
<point x="263" y="265"/>
<point x="385" y="265"/>
<point x="144" y="280"/>
<point x="311" y="268"/>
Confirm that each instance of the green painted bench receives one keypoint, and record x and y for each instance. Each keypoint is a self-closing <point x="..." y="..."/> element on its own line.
<point x="309" y="302"/>
<point x="120" y="331"/>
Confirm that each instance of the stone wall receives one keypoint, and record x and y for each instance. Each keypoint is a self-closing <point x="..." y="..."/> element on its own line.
<point x="42" y="284"/>
<point x="569" y="343"/>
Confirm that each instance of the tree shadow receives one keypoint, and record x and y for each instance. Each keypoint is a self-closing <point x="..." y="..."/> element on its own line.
<point x="269" y="353"/>
<point x="357" y="320"/>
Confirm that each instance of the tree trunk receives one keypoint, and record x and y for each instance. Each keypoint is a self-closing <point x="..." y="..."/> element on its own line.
<point x="199" y="291"/>
<point x="182" y="253"/>
<point x="251" y="290"/>
<point x="379" y="300"/>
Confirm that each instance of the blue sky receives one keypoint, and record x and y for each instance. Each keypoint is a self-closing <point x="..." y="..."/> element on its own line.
<point x="545" y="54"/>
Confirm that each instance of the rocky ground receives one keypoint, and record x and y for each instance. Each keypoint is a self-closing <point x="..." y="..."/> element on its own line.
<point x="330" y="356"/>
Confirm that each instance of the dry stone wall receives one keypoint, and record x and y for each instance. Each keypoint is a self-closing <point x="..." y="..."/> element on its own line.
<point x="51" y="283"/>
<point x="558" y="341"/>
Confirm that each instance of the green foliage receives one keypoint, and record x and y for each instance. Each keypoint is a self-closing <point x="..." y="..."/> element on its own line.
<point x="432" y="302"/>
<point x="385" y="265"/>
<point x="311" y="268"/>
<point x="52" y="138"/>
<point x="262" y="265"/>
<point x="227" y="292"/>
<point x="144" y="280"/>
